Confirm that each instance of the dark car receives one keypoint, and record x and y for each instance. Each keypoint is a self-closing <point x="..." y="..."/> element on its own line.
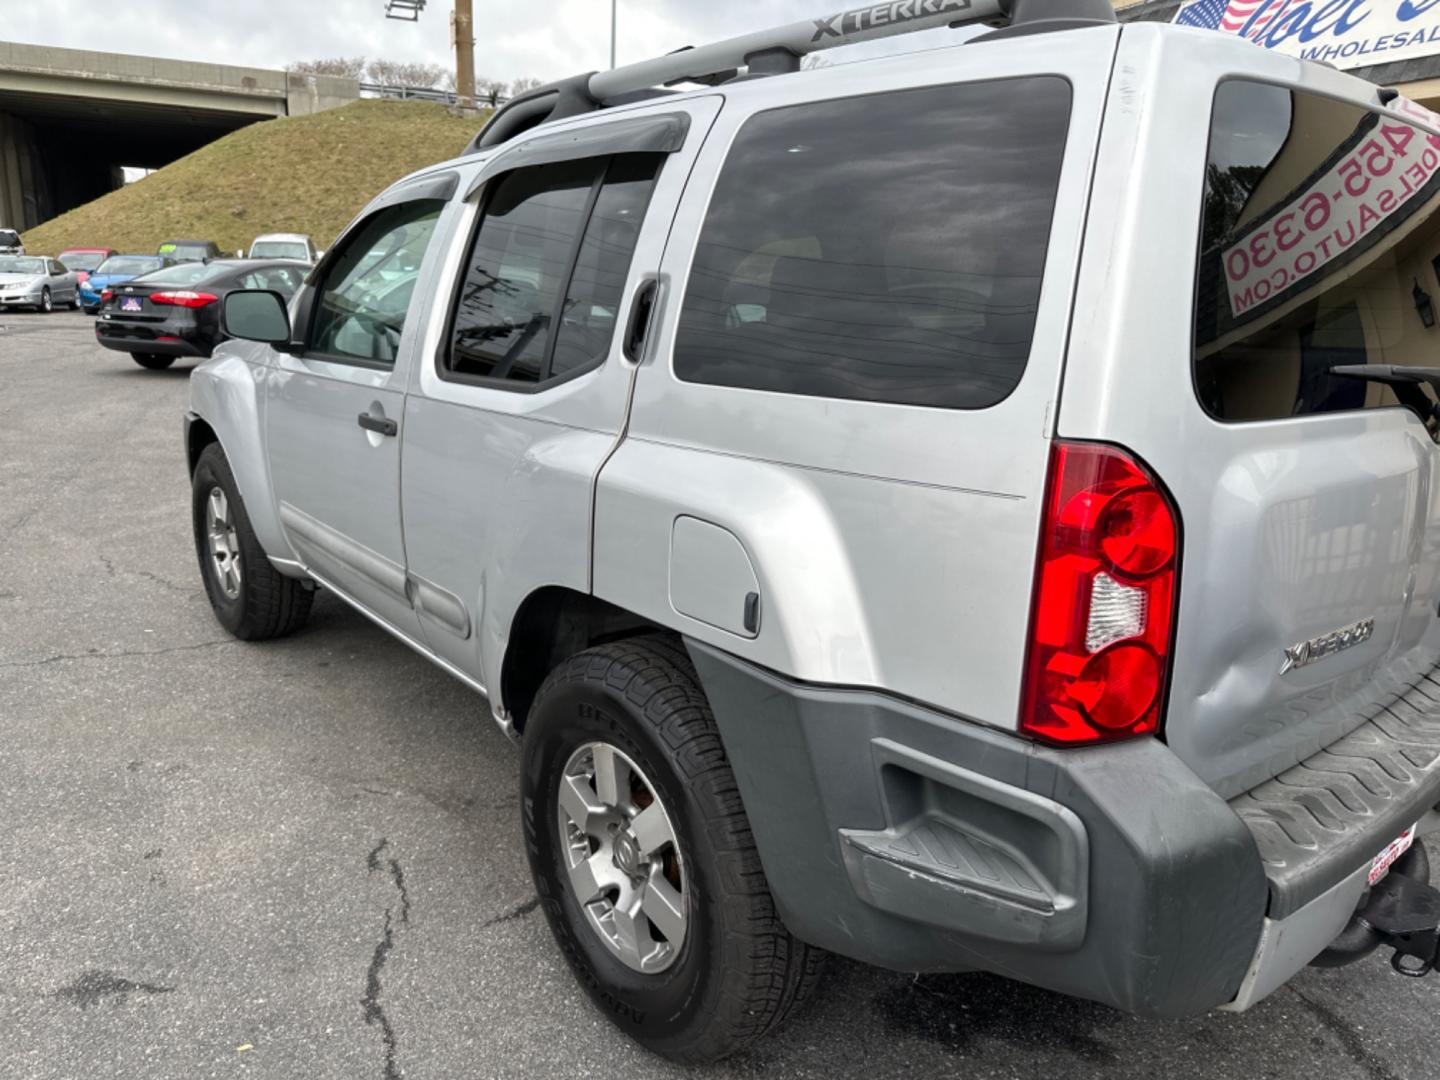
<point x="183" y="251"/>
<point x="176" y="311"/>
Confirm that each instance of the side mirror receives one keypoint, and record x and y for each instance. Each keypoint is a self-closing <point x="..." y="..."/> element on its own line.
<point x="257" y="315"/>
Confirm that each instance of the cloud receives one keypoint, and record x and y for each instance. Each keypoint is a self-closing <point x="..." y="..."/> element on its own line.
<point x="546" y="39"/>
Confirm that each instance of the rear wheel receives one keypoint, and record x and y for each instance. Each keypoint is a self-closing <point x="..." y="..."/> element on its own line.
<point x="47" y="304"/>
<point x="643" y="857"/>
<point x="250" y="598"/>
<point x="152" y="361"/>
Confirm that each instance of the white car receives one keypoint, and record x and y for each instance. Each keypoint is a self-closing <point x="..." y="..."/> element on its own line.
<point x="285" y="246"/>
<point x="35" y="282"/>
<point x="10" y="243"/>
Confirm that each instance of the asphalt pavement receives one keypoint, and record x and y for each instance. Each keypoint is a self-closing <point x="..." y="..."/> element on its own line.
<point x="303" y="860"/>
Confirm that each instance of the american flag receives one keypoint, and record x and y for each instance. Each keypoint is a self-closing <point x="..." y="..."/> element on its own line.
<point x="1230" y="15"/>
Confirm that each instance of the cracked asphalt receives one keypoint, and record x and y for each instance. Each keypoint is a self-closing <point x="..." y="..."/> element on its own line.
<point x="302" y="859"/>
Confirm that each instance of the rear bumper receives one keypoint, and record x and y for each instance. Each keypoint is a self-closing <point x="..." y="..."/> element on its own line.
<point x="903" y="837"/>
<point x="906" y="838"/>
<point x="146" y="338"/>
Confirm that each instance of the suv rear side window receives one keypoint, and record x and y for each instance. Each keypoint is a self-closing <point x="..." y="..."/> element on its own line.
<point x="887" y="248"/>
<point x="1319" y="246"/>
<point x="546" y="271"/>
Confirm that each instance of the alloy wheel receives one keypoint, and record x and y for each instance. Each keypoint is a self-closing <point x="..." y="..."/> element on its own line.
<point x="623" y="858"/>
<point x="224" y="543"/>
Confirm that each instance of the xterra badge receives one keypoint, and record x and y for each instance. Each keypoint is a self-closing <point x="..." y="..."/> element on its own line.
<point x="868" y="18"/>
<point x="1316" y="649"/>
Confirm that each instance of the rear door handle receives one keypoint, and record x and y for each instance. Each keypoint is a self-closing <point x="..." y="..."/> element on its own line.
<point x="380" y="424"/>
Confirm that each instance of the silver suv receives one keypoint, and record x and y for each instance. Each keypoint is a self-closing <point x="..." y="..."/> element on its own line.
<point x="974" y="509"/>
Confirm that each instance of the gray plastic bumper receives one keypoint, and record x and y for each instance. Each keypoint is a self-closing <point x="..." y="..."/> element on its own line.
<point x="902" y="837"/>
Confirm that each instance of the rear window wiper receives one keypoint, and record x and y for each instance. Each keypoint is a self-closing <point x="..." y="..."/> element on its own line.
<point x="1406" y="382"/>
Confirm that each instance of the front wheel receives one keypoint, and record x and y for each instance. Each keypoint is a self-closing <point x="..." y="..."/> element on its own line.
<point x="250" y="598"/>
<point x="643" y="858"/>
<point x="152" y="361"/>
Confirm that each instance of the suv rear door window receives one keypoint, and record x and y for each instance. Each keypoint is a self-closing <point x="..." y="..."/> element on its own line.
<point x="1318" y="242"/>
<point x="887" y="248"/>
<point x="547" y="269"/>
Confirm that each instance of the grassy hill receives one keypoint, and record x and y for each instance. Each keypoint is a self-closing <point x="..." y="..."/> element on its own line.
<point x="309" y="174"/>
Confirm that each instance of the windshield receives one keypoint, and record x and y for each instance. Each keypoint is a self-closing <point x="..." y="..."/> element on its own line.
<point x="82" y="260"/>
<point x="186" y="252"/>
<point x="130" y="265"/>
<point x="278" y="249"/>
<point x="9" y="238"/>
<point x="14" y="264"/>
<point x="186" y="274"/>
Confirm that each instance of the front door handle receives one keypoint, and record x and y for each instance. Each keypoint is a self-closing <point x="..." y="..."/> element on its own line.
<point x="380" y="424"/>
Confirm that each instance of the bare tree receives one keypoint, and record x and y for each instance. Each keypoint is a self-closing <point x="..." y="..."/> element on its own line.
<point x="401" y="73"/>
<point x="345" y="67"/>
<point x="520" y="86"/>
<point x="490" y="91"/>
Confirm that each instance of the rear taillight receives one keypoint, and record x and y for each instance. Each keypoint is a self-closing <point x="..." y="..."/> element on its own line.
<point x="107" y="295"/>
<point x="184" y="299"/>
<point x="1101" y="630"/>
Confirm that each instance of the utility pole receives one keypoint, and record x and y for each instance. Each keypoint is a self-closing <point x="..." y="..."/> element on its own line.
<point x="462" y="23"/>
<point x="614" y="21"/>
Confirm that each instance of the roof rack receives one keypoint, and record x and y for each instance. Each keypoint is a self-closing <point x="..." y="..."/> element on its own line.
<point x="778" y="51"/>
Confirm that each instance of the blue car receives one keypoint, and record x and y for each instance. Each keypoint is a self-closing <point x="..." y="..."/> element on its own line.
<point x="114" y="271"/>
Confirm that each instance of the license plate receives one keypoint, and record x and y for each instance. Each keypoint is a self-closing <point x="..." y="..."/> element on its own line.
<point x="1386" y="859"/>
<point x="130" y="303"/>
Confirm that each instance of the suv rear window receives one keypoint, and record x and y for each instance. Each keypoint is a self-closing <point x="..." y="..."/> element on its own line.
<point x="9" y="238"/>
<point x="886" y="248"/>
<point x="1319" y="247"/>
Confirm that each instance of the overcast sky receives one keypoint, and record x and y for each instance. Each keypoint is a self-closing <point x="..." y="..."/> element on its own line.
<point x="546" y="39"/>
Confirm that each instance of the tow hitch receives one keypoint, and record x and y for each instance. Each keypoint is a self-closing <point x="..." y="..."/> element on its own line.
<point x="1406" y="914"/>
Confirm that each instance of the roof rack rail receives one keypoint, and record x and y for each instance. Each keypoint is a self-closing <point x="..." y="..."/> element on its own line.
<point x="778" y="51"/>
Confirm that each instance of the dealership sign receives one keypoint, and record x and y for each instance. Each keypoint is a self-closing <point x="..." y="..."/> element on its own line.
<point x="1346" y="33"/>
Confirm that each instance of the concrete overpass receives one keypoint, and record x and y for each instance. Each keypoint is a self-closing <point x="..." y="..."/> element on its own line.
<point x="70" y="118"/>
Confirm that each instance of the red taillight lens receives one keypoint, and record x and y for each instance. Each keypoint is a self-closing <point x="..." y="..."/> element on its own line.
<point x="107" y="295"/>
<point x="184" y="299"/>
<point x="1104" y="600"/>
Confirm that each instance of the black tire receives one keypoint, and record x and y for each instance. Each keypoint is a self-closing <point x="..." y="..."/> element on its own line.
<point x="269" y="604"/>
<point x="74" y="305"/>
<point x="739" y="973"/>
<point x="152" y="361"/>
<point x="47" y="305"/>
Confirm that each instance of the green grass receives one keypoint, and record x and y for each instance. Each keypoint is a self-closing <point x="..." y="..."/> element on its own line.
<point x="310" y="174"/>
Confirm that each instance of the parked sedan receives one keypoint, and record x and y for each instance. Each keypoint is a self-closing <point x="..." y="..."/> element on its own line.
<point x="84" y="261"/>
<point x="176" y="312"/>
<point x="35" y="282"/>
<point x="182" y="251"/>
<point x="114" y="271"/>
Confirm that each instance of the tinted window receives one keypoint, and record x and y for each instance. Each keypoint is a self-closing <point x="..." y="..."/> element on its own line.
<point x="549" y="234"/>
<point x="592" y="303"/>
<point x="81" y="260"/>
<point x="281" y="279"/>
<point x="185" y="274"/>
<point x="132" y="265"/>
<point x="1317" y="242"/>
<point x="886" y="248"/>
<point x="9" y="239"/>
<point x="280" y="249"/>
<point x="363" y="303"/>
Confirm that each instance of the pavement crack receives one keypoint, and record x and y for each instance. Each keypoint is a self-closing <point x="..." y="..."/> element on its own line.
<point x="375" y="1015"/>
<point x="374" y="1011"/>
<point x="120" y="655"/>
<point x="93" y="987"/>
<point x="517" y="912"/>
<point x="1350" y="1040"/>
